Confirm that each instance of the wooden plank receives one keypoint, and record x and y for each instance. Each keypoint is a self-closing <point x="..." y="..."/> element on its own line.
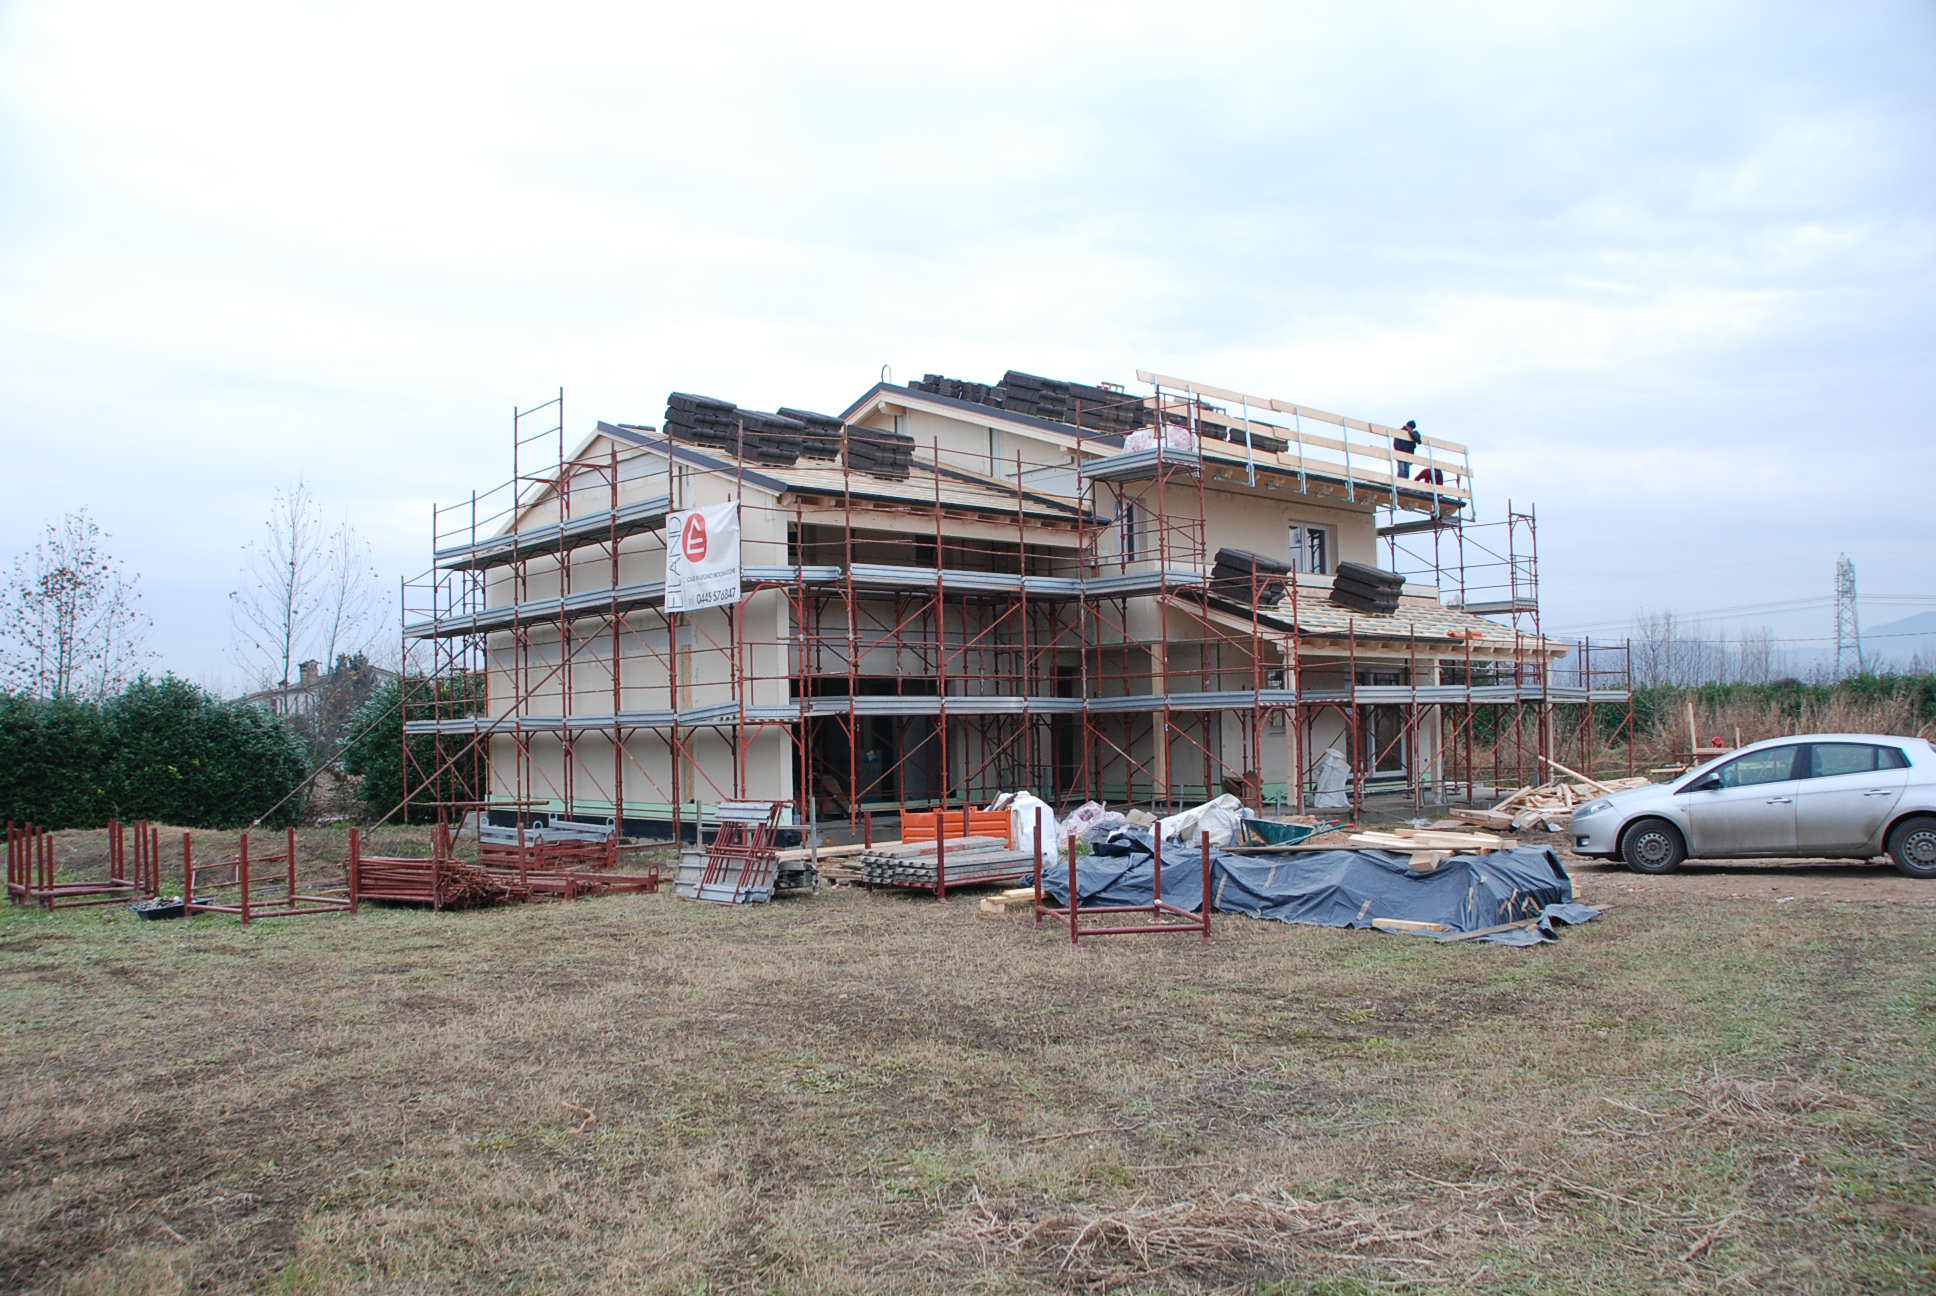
<point x="1489" y="931"/>
<point x="1453" y="839"/>
<point x="1279" y="406"/>
<point x="1406" y="925"/>
<point x="1297" y="436"/>
<point x="1428" y="860"/>
<point x="793" y="853"/>
<point x="1515" y="798"/>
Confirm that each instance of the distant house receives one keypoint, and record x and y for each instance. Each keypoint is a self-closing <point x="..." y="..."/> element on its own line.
<point x="305" y="697"/>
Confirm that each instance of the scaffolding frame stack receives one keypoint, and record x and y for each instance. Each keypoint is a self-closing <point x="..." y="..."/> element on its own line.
<point x="986" y="623"/>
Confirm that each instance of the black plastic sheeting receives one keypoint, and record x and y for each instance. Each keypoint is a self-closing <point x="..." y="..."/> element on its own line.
<point x="1342" y="888"/>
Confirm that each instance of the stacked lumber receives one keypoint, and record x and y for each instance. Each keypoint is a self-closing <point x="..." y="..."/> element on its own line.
<point x="1364" y="588"/>
<point x="1429" y="848"/>
<point x="445" y="883"/>
<point x="968" y="859"/>
<point x="1547" y="805"/>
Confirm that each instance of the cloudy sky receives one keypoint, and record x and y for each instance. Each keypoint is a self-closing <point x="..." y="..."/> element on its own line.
<point x="1666" y="267"/>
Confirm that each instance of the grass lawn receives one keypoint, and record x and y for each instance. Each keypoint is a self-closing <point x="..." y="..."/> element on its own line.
<point x="879" y="1093"/>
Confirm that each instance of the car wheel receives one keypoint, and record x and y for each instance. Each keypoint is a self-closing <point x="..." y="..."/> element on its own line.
<point x="1912" y="845"/>
<point x="1653" y="846"/>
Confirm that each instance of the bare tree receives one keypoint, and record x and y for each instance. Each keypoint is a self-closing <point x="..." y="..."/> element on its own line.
<point x="349" y="596"/>
<point x="72" y="622"/>
<point x="276" y="607"/>
<point x="308" y="591"/>
<point x="1663" y="652"/>
<point x="1758" y="660"/>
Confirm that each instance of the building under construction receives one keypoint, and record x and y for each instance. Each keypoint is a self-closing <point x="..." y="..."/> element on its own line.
<point x="952" y="589"/>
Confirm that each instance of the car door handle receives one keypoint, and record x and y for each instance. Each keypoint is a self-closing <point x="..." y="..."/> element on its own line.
<point x="1877" y="792"/>
<point x="1781" y="800"/>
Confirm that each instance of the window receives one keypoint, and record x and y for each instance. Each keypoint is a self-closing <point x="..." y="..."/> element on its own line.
<point x="1310" y="548"/>
<point x="1126" y="521"/>
<point x="1771" y="766"/>
<point x="1831" y="759"/>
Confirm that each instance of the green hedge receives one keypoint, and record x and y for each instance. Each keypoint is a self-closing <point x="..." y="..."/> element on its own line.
<point x="162" y="750"/>
<point x="374" y="750"/>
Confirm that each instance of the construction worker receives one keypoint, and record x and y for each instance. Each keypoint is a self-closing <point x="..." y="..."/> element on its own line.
<point x="1406" y="443"/>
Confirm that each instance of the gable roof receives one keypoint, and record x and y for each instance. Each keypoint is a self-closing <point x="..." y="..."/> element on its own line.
<point x="926" y="483"/>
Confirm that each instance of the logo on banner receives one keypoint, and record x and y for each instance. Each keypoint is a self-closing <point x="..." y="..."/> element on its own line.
<point x="702" y="562"/>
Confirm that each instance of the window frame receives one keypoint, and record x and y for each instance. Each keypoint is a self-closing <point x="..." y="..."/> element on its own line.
<point x="1297" y="541"/>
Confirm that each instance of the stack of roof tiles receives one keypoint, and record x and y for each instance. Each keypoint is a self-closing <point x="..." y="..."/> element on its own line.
<point x="1098" y="409"/>
<point x="820" y="433"/>
<point x="955" y="389"/>
<point x="772" y="439"/>
<point x="1248" y="578"/>
<point x="879" y="451"/>
<point x="1364" y="588"/>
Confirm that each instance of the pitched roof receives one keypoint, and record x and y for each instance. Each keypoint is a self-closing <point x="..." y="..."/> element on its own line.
<point x="925" y="484"/>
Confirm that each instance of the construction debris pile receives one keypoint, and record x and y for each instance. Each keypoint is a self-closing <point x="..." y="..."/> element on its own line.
<point x="1445" y="885"/>
<point x="1547" y="805"/>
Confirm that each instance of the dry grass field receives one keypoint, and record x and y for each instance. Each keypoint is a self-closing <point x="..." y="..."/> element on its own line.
<point x="877" y="1093"/>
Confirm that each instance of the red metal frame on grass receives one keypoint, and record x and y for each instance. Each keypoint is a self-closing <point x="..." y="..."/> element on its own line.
<point x="1072" y="913"/>
<point x="33" y="869"/>
<point x="243" y="879"/>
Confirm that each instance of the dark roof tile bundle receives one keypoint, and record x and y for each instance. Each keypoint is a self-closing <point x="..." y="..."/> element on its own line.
<point x="955" y="389"/>
<point x="820" y="434"/>
<point x="1249" y="578"/>
<point x="879" y="451"/>
<point x="1099" y="409"/>
<point x="770" y="439"/>
<point x="1364" y="588"/>
<point x="1096" y="409"/>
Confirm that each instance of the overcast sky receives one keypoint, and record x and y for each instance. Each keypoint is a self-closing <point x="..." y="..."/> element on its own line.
<point x="1666" y="268"/>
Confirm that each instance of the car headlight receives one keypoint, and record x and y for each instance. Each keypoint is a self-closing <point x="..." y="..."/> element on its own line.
<point x="1594" y="807"/>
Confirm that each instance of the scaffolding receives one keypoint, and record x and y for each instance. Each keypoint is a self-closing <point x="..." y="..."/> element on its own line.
<point x="1032" y="611"/>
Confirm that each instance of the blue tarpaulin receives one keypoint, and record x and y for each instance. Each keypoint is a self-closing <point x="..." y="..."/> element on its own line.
<point x="1341" y="888"/>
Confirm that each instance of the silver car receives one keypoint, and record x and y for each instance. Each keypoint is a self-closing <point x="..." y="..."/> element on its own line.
<point x="1818" y="796"/>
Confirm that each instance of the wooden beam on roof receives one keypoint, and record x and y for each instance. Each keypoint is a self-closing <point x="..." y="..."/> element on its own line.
<point x="1285" y="407"/>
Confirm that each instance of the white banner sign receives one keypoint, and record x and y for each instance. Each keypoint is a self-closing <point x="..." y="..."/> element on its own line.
<point x="702" y="557"/>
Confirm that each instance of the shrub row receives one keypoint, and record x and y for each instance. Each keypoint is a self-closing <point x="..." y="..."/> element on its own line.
<point x="162" y="750"/>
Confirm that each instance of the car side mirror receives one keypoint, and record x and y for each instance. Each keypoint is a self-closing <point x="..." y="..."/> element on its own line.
<point x="1708" y="784"/>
